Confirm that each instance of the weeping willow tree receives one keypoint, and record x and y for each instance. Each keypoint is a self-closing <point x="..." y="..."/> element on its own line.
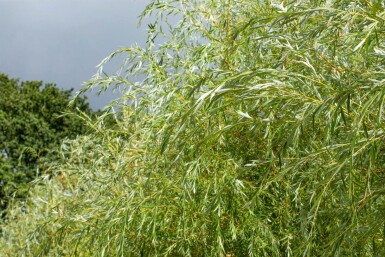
<point x="256" y="129"/>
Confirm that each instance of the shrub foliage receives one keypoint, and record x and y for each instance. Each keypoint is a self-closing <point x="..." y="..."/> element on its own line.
<point x="258" y="130"/>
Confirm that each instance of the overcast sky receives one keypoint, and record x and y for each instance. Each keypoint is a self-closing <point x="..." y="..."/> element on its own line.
<point x="62" y="41"/>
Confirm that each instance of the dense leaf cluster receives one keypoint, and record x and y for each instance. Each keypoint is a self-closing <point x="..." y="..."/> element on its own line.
<point x="258" y="130"/>
<point x="32" y="126"/>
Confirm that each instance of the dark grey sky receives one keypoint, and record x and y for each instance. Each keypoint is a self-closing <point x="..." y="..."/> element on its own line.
<point x="62" y="41"/>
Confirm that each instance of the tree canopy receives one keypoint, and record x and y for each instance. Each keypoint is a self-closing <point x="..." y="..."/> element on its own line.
<point x="258" y="130"/>
<point x="32" y="126"/>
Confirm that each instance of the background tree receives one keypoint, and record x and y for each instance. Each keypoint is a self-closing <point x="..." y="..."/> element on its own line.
<point x="32" y="127"/>
<point x="258" y="130"/>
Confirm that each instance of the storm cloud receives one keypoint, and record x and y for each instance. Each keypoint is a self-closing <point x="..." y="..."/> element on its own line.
<point x="62" y="41"/>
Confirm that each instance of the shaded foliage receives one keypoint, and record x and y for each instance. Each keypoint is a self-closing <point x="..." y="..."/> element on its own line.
<point x="32" y="125"/>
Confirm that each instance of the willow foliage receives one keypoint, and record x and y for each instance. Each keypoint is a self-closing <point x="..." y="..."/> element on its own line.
<point x="257" y="129"/>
